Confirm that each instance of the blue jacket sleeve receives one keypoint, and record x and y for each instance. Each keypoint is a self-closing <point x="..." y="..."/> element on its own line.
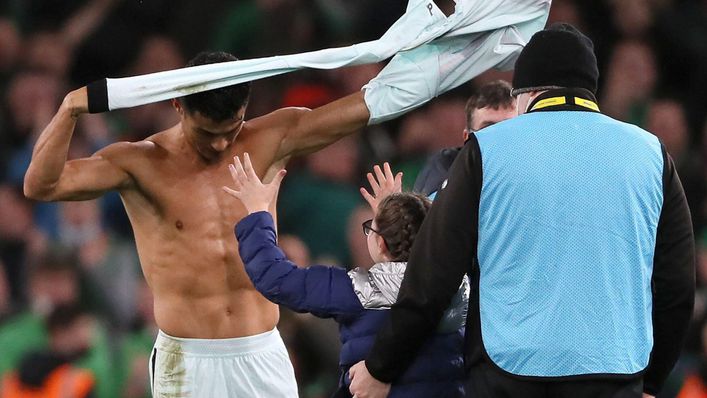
<point x="323" y="291"/>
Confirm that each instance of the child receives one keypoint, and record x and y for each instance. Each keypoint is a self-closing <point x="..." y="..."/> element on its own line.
<point x="358" y="300"/>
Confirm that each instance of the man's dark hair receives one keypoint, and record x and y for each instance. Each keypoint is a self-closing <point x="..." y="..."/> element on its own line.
<point x="495" y="95"/>
<point x="219" y="104"/>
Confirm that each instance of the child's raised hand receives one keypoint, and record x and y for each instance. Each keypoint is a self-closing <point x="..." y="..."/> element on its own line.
<point x="382" y="185"/>
<point x="255" y="195"/>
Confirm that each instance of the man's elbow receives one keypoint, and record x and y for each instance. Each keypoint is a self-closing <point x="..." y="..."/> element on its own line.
<point x="36" y="191"/>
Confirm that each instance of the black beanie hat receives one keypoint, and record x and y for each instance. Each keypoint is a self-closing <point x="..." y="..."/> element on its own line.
<point x="559" y="56"/>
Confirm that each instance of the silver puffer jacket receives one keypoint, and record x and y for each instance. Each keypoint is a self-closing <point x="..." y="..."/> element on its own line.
<point x="378" y="287"/>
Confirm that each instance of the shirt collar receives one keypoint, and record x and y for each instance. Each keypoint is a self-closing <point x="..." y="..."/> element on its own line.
<point x="565" y="99"/>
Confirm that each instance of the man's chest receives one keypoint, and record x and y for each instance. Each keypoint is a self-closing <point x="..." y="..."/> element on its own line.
<point x="188" y="196"/>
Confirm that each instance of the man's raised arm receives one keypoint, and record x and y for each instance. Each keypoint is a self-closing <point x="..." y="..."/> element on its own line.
<point x="307" y="130"/>
<point x="51" y="177"/>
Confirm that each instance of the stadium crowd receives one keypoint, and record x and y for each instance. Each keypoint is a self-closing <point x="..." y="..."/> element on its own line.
<point x="70" y="279"/>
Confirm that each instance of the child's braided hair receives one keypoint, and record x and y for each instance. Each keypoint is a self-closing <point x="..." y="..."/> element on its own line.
<point x="399" y="217"/>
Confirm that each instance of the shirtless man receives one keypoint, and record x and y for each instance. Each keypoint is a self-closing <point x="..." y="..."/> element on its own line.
<point x="217" y="333"/>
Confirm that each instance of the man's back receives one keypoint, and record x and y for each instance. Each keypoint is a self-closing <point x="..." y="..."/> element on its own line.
<point x="568" y="213"/>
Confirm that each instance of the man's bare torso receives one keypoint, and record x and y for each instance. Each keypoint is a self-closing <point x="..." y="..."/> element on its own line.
<point x="182" y="220"/>
<point x="183" y="223"/>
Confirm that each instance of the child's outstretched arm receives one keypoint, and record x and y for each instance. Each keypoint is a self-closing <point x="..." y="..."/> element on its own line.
<point x="323" y="291"/>
<point x="383" y="183"/>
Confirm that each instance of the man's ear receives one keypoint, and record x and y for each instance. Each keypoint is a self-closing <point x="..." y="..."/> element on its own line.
<point x="177" y="106"/>
<point x="465" y="135"/>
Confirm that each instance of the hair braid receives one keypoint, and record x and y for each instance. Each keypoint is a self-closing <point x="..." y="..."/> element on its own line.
<point x="399" y="219"/>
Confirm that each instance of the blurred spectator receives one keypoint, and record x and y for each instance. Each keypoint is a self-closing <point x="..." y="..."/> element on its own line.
<point x="157" y="53"/>
<point x="414" y="142"/>
<point x="6" y="306"/>
<point x="47" y="52"/>
<point x="688" y="378"/>
<point x="30" y="101"/>
<point x="316" y="202"/>
<point x="110" y="265"/>
<point x="666" y="119"/>
<point x="52" y="281"/>
<point x="52" y="373"/>
<point x="295" y="249"/>
<point x="414" y="134"/>
<point x="35" y="15"/>
<point x="630" y="82"/>
<point x="313" y="343"/>
<point x="10" y="45"/>
<point x="310" y="95"/>
<point x="351" y="79"/>
<point x="372" y="17"/>
<point x="566" y="11"/>
<point x="633" y="18"/>
<point x="132" y="370"/>
<point x="252" y="28"/>
<point x="120" y="29"/>
<point x="19" y="237"/>
<point x="428" y="130"/>
<point x="448" y="118"/>
<point x="680" y="38"/>
<point x="695" y="384"/>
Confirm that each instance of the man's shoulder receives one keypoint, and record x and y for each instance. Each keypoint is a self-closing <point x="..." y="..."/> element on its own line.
<point x="135" y="150"/>
<point x="441" y="161"/>
<point x="277" y="118"/>
<point x="446" y="156"/>
<point x="435" y="171"/>
<point x="264" y="134"/>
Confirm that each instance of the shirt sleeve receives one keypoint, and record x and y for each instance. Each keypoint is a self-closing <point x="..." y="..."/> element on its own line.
<point x="444" y="250"/>
<point x="673" y="280"/>
<point x="321" y="290"/>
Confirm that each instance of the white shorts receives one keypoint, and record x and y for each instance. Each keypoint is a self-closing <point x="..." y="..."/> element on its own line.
<point x="252" y="366"/>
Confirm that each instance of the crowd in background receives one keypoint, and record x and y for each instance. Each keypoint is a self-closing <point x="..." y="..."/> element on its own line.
<point x="79" y="257"/>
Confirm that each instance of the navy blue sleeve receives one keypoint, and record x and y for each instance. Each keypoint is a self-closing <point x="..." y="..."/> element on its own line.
<point x="435" y="171"/>
<point x="323" y="291"/>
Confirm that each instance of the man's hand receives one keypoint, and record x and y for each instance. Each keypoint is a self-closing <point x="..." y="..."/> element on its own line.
<point x="76" y="102"/>
<point x="382" y="185"/>
<point x="363" y="385"/>
<point x="255" y="195"/>
<point x="648" y="395"/>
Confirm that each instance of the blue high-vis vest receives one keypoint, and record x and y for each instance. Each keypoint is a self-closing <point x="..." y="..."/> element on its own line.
<point x="568" y="214"/>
